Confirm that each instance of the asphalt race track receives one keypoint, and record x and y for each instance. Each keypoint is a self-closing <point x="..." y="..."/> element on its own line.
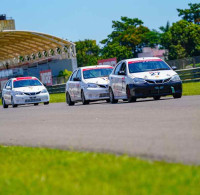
<point x="168" y="129"/>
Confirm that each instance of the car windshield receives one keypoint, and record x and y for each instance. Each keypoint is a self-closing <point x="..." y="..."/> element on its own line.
<point x="26" y="83"/>
<point x="145" y="66"/>
<point x="96" y="72"/>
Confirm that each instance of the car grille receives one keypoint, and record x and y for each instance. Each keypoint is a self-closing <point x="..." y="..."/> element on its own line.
<point x="33" y="93"/>
<point x="158" y="81"/>
<point x="103" y="86"/>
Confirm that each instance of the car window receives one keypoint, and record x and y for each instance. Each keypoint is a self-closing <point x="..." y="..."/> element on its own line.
<point x="10" y="84"/>
<point x="117" y="69"/>
<point x="123" y="67"/>
<point x="7" y="84"/>
<point x="79" y="74"/>
<point x="73" y="75"/>
<point x="89" y="73"/>
<point x="26" y="83"/>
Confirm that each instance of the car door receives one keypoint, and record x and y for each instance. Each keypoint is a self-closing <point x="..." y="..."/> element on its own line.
<point x="7" y="92"/>
<point x="78" y="85"/>
<point x="122" y="80"/>
<point x="115" y="81"/>
<point x="71" y="85"/>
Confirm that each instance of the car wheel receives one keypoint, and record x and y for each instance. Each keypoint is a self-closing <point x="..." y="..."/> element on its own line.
<point x="156" y="97"/>
<point x="84" y="101"/>
<point x="46" y="103"/>
<point x="13" y="103"/>
<point x="112" y="98"/>
<point x="36" y="104"/>
<point x="177" y="95"/>
<point x="108" y="100"/>
<point x="4" y="103"/>
<point x="68" y="100"/>
<point x="129" y="97"/>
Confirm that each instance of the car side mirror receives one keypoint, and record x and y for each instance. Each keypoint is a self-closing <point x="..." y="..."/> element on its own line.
<point x="121" y="72"/>
<point x="8" y="87"/>
<point x="76" y="79"/>
<point x="174" y="68"/>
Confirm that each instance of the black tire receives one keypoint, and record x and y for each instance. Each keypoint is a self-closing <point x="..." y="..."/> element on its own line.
<point x="13" y="104"/>
<point x="112" y="98"/>
<point x="68" y="100"/>
<point x="108" y="100"/>
<point x="156" y="97"/>
<point x="4" y="103"/>
<point x="84" y="101"/>
<point x="46" y="103"/>
<point x="129" y="97"/>
<point x="36" y="104"/>
<point x="177" y="95"/>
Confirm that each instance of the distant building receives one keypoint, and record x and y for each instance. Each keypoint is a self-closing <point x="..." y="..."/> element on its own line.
<point x="6" y="23"/>
<point x="153" y="52"/>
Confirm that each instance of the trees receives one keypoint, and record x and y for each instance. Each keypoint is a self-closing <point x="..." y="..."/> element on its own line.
<point x="182" y="40"/>
<point x="127" y="38"/>
<point x="87" y="52"/>
<point x="192" y="14"/>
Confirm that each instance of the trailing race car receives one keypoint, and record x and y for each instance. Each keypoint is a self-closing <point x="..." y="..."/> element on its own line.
<point x="143" y="77"/>
<point x="24" y="90"/>
<point x="88" y="84"/>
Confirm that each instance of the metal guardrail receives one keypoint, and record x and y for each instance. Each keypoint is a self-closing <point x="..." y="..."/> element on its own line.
<point x="186" y="75"/>
<point x="189" y="75"/>
<point x="56" y="88"/>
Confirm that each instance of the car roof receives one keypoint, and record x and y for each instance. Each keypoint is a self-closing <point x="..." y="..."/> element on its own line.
<point x="96" y="66"/>
<point x="23" y="78"/>
<point x="142" y="59"/>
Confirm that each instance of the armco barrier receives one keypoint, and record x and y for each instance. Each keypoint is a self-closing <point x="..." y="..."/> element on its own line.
<point x="56" y="88"/>
<point x="189" y="75"/>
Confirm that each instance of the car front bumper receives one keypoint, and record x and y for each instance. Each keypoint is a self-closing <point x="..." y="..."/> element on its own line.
<point x="96" y="93"/>
<point x="31" y="99"/>
<point x="152" y="90"/>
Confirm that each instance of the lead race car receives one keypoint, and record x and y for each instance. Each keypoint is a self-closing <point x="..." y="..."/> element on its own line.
<point x="24" y="90"/>
<point x="88" y="84"/>
<point x="143" y="77"/>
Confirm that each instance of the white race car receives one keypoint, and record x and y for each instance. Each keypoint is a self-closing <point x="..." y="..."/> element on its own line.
<point x="88" y="84"/>
<point x="143" y="77"/>
<point x="24" y="90"/>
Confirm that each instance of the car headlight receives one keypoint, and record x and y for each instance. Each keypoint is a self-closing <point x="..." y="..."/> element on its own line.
<point x="19" y="93"/>
<point x="92" y="85"/>
<point x="44" y="91"/>
<point x="138" y="81"/>
<point x="175" y="78"/>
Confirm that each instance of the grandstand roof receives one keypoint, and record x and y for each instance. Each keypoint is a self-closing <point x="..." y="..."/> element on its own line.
<point x="15" y="43"/>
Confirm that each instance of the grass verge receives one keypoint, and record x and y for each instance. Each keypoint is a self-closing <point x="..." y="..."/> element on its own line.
<point x="188" y="89"/>
<point x="26" y="170"/>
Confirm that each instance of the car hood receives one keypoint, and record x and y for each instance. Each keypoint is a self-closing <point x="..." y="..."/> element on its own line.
<point x="30" y="89"/>
<point x="99" y="80"/>
<point x="154" y="75"/>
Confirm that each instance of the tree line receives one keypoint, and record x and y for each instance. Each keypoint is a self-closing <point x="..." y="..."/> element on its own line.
<point x="129" y="36"/>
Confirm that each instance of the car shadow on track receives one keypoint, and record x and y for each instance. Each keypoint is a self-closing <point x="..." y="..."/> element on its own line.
<point x="125" y="102"/>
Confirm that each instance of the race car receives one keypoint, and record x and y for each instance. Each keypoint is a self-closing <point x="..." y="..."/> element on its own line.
<point x="88" y="84"/>
<point x="143" y="77"/>
<point x="24" y="90"/>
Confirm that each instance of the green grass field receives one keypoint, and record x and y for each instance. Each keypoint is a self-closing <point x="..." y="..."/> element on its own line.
<point x="49" y="171"/>
<point x="188" y="89"/>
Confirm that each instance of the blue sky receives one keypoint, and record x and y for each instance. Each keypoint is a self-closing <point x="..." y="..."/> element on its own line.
<point x="78" y="20"/>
